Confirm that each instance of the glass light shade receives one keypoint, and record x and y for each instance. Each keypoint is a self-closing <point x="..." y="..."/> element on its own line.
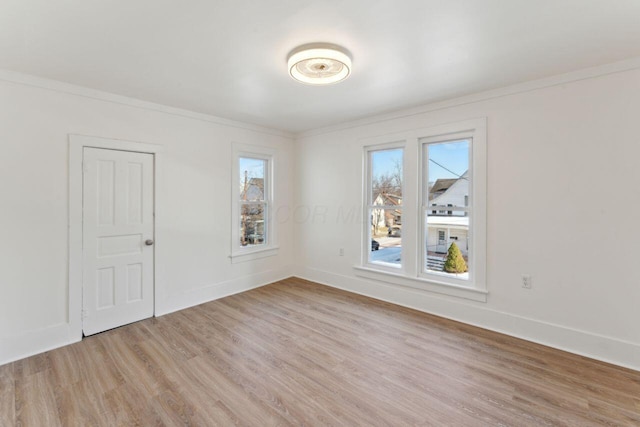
<point x="319" y="66"/>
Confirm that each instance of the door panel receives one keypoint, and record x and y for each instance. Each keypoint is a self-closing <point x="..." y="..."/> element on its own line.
<point x="119" y="245"/>
<point x="117" y="220"/>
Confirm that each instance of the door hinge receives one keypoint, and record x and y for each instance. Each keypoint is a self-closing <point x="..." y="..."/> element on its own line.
<point x="84" y="314"/>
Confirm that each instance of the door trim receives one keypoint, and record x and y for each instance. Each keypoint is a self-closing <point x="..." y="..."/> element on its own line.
<point x="77" y="143"/>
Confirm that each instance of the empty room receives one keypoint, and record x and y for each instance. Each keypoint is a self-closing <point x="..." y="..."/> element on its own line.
<point x="344" y="213"/>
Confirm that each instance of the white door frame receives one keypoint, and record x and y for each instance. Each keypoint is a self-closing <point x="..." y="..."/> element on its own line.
<point x="77" y="143"/>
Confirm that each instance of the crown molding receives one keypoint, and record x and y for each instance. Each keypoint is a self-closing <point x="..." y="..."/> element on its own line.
<point x="560" y="79"/>
<point x="573" y="76"/>
<point x="81" y="91"/>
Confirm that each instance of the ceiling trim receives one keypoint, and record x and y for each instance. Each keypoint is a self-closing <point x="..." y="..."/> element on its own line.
<point x="573" y="76"/>
<point x="71" y="89"/>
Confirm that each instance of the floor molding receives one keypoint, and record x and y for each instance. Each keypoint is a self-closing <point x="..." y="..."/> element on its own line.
<point x="220" y="290"/>
<point x="34" y="342"/>
<point x="41" y="340"/>
<point x="594" y="346"/>
<point x="606" y="349"/>
<point x="300" y="353"/>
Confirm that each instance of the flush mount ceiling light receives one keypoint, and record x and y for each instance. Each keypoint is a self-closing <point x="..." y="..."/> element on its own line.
<point x="319" y="64"/>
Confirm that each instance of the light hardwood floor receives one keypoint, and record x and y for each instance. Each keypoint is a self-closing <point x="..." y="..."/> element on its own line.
<point x="298" y="353"/>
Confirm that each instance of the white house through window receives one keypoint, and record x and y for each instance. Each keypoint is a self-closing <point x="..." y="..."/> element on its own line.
<point x="447" y="187"/>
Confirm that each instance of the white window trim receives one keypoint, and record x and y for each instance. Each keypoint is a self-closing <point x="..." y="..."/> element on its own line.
<point x="424" y="207"/>
<point x="422" y="284"/>
<point x="412" y="274"/>
<point x="239" y="253"/>
<point x="368" y="202"/>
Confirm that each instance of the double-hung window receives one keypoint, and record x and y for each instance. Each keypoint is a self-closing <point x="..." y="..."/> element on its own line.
<point x="253" y="201"/>
<point x="447" y="184"/>
<point x="252" y="193"/>
<point x="425" y="213"/>
<point x="384" y="206"/>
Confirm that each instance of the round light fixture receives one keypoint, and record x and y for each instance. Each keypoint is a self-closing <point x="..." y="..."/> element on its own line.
<point x="319" y="64"/>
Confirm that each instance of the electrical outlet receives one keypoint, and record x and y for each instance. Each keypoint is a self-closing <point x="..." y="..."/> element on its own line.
<point x="341" y="252"/>
<point x="526" y="281"/>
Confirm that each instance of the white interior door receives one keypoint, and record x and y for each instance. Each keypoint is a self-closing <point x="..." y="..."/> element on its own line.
<point x="118" y="233"/>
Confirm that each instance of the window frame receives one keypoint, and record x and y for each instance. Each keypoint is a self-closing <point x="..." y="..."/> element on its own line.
<point x="412" y="273"/>
<point x="368" y="204"/>
<point x="241" y="253"/>
<point x="425" y="207"/>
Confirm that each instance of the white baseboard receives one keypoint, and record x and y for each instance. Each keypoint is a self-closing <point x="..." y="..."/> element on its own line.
<point x="586" y="344"/>
<point x="34" y="342"/>
<point x="594" y="346"/>
<point x="220" y="290"/>
<point x="45" y="339"/>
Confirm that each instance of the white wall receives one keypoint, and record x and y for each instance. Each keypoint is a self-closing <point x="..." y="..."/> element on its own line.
<point x="553" y="152"/>
<point x="195" y="205"/>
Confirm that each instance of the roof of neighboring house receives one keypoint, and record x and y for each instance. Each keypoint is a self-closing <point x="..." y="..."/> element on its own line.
<point x="441" y="185"/>
<point x="386" y="199"/>
<point x="254" y="190"/>
<point x="449" y="221"/>
<point x="258" y="182"/>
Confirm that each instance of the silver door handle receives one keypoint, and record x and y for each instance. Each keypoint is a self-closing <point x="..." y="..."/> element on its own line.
<point x="148" y="242"/>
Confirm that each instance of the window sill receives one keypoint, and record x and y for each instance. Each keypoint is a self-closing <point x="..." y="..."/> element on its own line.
<point x="253" y="254"/>
<point x="422" y="284"/>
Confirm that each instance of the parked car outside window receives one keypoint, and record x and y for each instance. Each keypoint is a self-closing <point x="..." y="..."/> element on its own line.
<point x="394" y="231"/>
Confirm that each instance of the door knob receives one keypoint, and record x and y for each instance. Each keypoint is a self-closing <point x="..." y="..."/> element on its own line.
<point x="148" y="242"/>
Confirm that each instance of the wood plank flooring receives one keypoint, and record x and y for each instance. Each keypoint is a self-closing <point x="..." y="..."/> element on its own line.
<point x="298" y="353"/>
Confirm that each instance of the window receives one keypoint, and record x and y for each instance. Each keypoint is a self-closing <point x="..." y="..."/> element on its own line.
<point x="253" y="204"/>
<point x="445" y="168"/>
<point x="437" y="176"/>
<point x="384" y="206"/>
<point x="252" y="230"/>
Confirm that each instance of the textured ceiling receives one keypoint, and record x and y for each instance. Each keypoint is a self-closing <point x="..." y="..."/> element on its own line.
<point x="228" y="58"/>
